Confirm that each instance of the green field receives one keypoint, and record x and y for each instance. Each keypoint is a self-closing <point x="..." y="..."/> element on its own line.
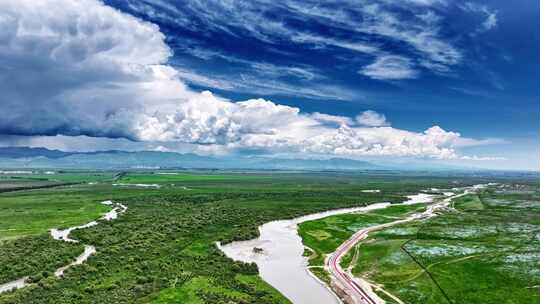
<point x="162" y="250"/>
<point x="486" y="251"/>
<point x="325" y="235"/>
<point x="35" y="212"/>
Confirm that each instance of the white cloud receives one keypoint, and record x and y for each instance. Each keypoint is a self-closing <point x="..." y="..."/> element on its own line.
<point x="320" y="41"/>
<point x="161" y="149"/>
<point x="424" y="39"/>
<point x="202" y="80"/>
<point x="482" y="158"/>
<point x="416" y="2"/>
<point x="429" y="17"/>
<point x="426" y="2"/>
<point x="385" y="141"/>
<point x="262" y="68"/>
<point x="253" y="84"/>
<point x="371" y="118"/>
<point x="367" y="24"/>
<point x="490" y="15"/>
<point x="77" y="67"/>
<point x="390" y="68"/>
<point x="491" y="21"/>
<point x="378" y="20"/>
<point x="280" y="71"/>
<point x="81" y="68"/>
<point x="469" y="142"/>
<point x="326" y="118"/>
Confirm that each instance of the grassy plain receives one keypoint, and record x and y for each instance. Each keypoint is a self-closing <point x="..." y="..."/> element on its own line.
<point x="325" y="235"/>
<point x="162" y="250"/>
<point x="73" y="198"/>
<point x="35" y="212"/>
<point x="487" y="251"/>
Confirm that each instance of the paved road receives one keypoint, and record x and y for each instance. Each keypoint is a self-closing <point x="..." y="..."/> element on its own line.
<point x="352" y="287"/>
<point x="357" y="293"/>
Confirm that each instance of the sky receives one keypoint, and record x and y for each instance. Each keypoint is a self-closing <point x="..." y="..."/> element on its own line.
<point x="421" y="80"/>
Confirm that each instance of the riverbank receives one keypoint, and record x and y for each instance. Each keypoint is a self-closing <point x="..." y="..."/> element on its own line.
<point x="357" y="290"/>
<point x="487" y="243"/>
<point x="282" y="263"/>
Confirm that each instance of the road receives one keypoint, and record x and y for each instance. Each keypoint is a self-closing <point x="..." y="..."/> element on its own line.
<point x="358" y="290"/>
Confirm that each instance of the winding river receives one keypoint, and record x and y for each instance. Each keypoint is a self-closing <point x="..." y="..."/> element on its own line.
<point x="282" y="263"/>
<point x="63" y="235"/>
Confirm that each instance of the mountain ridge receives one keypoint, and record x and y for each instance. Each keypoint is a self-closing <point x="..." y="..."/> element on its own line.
<point x="45" y="158"/>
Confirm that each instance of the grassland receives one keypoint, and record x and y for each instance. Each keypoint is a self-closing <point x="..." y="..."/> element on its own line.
<point x="48" y="179"/>
<point x="162" y="249"/>
<point x="325" y="235"/>
<point x="35" y="212"/>
<point x="487" y="251"/>
<point x="69" y="198"/>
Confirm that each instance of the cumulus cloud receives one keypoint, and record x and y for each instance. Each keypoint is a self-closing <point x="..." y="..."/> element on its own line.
<point x="78" y="68"/>
<point x="81" y="68"/>
<point x="326" y="118"/>
<point x="372" y="119"/>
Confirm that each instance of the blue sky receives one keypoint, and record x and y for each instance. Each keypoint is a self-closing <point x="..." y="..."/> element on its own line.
<point x="485" y="88"/>
<point x="469" y="67"/>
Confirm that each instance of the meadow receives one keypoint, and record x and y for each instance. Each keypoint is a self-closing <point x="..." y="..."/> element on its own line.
<point x="485" y="250"/>
<point x="162" y="250"/>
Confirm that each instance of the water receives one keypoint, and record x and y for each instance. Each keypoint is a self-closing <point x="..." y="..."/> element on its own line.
<point x="88" y="251"/>
<point x="419" y="198"/>
<point x="282" y="263"/>
<point x="20" y="283"/>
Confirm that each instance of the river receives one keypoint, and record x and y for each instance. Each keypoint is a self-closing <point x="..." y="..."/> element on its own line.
<point x="282" y="263"/>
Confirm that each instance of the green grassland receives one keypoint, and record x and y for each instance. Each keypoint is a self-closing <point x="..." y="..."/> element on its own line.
<point x="487" y="251"/>
<point x="43" y="179"/>
<point x="35" y="212"/>
<point x="12" y="184"/>
<point x="162" y="250"/>
<point x="174" y="177"/>
<point x="325" y="235"/>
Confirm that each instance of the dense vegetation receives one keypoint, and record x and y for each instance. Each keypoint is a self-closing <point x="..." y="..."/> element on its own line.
<point x="35" y="256"/>
<point x="163" y="249"/>
<point x="47" y="179"/>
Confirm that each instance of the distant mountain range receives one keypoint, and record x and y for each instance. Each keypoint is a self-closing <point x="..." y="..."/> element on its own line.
<point x="25" y="157"/>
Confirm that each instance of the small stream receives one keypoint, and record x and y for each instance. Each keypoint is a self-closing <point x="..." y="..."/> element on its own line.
<point x="63" y="235"/>
<point x="20" y="283"/>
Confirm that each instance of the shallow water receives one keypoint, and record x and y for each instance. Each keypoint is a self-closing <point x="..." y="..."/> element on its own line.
<point x="88" y="251"/>
<point x="156" y="186"/>
<point x="419" y="198"/>
<point x="63" y="235"/>
<point x="20" y="283"/>
<point x="282" y="264"/>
